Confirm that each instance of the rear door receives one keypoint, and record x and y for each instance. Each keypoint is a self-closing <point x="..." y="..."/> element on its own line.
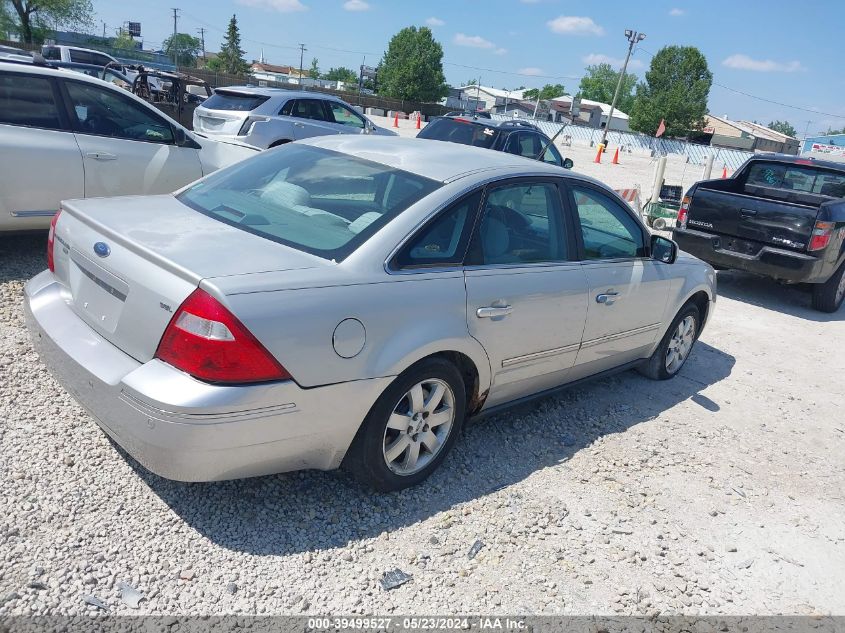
<point x="311" y="117"/>
<point x="628" y="290"/>
<point x="40" y="161"/>
<point x="526" y="294"/>
<point x="127" y="147"/>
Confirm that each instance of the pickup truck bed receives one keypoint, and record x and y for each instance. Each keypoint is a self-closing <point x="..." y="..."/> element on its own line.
<point x="781" y="217"/>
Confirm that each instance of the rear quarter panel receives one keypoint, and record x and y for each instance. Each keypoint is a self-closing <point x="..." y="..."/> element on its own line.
<point x="405" y="318"/>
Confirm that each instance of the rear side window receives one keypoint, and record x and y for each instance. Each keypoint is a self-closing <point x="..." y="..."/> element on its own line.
<point x="801" y="178"/>
<point x="82" y="57"/>
<point x="460" y="131"/>
<point x="234" y="101"/>
<point x="310" y="109"/>
<point x="444" y="240"/>
<point x="28" y="101"/>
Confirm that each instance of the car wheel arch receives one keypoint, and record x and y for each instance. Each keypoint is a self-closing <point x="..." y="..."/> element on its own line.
<point x="281" y="141"/>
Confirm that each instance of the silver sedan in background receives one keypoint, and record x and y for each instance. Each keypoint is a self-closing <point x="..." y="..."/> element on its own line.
<point x="351" y="301"/>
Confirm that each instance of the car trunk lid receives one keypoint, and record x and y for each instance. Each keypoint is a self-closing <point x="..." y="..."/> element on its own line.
<point x="225" y="111"/>
<point x="129" y="263"/>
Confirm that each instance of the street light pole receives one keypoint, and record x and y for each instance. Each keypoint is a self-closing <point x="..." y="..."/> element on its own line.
<point x="633" y="38"/>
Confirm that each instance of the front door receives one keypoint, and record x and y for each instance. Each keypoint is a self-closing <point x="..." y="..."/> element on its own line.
<point x="310" y="118"/>
<point x="127" y="147"/>
<point x="526" y="296"/>
<point x="628" y="290"/>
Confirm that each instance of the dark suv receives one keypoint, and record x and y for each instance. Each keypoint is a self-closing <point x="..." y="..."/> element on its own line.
<point x="515" y="137"/>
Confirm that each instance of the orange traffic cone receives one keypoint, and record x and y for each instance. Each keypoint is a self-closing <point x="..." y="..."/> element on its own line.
<point x="615" y="160"/>
<point x="419" y="118"/>
<point x="599" y="153"/>
<point x="396" y="120"/>
<point x="724" y="172"/>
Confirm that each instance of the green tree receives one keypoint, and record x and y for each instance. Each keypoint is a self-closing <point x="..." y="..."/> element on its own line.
<point x="549" y="91"/>
<point x="675" y="90"/>
<point x="123" y="41"/>
<point x="186" y="48"/>
<point x="832" y="132"/>
<point x="314" y="71"/>
<point x="471" y="82"/>
<point x="412" y="67"/>
<point x="783" y="127"/>
<point x="36" y="18"/>
<point x="230" y="59"/>
<point x="346" y="75"/>
<point x="599" y="84"/>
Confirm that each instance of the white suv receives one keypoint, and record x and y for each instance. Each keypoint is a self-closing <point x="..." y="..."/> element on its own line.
<point x="66" y="135"/>
<point x="267" y="117"/>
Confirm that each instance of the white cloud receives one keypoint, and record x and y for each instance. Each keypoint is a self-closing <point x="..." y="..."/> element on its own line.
<point x="356" y="5"/>
<point x="282" y="6"/>
<point x="501" y="51"/>
<point x="574" y="25"/>
<point x="472" y="41"/>
<point x="531" y="70"/>
<point x="744" y="62"/>
<point x="601" y="58"/>
<point x="435" y="22"/>
<point x="676" y="12"/>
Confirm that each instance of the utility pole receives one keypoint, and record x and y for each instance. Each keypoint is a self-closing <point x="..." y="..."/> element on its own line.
<point x="477" y="93"/>
<point x="302" y="50"/>
<point x="202" y="39"/>
<point x="633" y="38"/>
<point x="175" y="47"/>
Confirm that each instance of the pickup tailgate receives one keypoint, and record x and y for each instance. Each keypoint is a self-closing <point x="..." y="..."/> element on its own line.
<point x="759" y="219"/>
<point x="128" y="263"/>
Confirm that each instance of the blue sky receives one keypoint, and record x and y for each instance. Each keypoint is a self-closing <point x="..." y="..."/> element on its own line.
<point x="778" y="50"/>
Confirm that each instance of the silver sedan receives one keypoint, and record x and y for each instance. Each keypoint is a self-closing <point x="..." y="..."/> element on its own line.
<point x="351" y="301"/>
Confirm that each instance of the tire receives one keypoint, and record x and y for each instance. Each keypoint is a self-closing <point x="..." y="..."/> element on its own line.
<point x="381" y="455"/>
<point x="827" y="297"/>
<point x="658" y="224"/>
<point x="658" y="366"/>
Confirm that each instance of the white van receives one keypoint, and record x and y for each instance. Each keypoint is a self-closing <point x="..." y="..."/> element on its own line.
<point x="63" y="53"/>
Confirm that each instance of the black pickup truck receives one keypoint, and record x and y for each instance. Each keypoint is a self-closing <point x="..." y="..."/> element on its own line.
<point x="778" y="216"/>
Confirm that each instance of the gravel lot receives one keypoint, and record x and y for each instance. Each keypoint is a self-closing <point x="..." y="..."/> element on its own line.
<point x="718" y="492"/>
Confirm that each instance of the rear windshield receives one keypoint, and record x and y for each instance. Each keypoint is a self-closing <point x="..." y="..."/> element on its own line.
<point x="234" y="101"/>
<point x="315" y="200"/>
<point x="460" y="131"/>
<point x="806" y="179"/>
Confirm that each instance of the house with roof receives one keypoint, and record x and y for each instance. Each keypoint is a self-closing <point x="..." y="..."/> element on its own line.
<point x="488" y="98"/>
<point x="746" y="135"/>
<point x="590" y="113"/>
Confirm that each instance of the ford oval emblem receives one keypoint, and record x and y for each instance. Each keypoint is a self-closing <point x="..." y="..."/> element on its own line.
<point x="102" y="249"/>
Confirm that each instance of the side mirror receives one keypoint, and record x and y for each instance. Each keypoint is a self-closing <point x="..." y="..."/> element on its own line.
<point x="568" y="163"/>
<point x="181" y="139"/>
<point x="663" y="249"/>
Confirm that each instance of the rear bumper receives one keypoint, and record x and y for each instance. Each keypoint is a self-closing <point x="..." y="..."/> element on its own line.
<point x="772" y="262"/>
<point x="185" y="429"/>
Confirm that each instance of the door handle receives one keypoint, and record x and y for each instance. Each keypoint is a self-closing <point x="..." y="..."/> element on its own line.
<point x="488" y="312"/>
<point x="101" y="156"/>
<point x="748" y="211"/>
<point x="299" y="125"/>
<point x="607" y="298"/>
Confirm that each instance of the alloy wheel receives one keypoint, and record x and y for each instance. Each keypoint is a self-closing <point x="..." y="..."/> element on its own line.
<point x="419" y="426"/>
<point x="680" y="344"/>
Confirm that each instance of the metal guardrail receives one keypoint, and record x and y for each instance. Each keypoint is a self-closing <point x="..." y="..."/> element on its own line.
<point x="696" y="154"/>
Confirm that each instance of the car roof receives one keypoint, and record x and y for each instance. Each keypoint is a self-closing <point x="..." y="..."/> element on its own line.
<point x="437" y="160"/>
<point x="499" y="124"/>
<point x="36" y="68"/>
<point x="276" y="92"/>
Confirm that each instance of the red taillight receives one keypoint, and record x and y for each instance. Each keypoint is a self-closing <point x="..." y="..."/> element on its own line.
<point x="683" y="212"/>
<point x="51" y="239"/>
<point x="821" y="235"/>
<point x="207" y="341"/>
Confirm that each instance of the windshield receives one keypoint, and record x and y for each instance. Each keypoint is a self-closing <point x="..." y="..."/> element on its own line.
<point x="312" y="199"/>
<point x="460" y="131"/>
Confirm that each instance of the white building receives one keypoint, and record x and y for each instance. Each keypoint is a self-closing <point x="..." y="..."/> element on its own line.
<point x="595" y="113"/>
<point x="489" y="97"/>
